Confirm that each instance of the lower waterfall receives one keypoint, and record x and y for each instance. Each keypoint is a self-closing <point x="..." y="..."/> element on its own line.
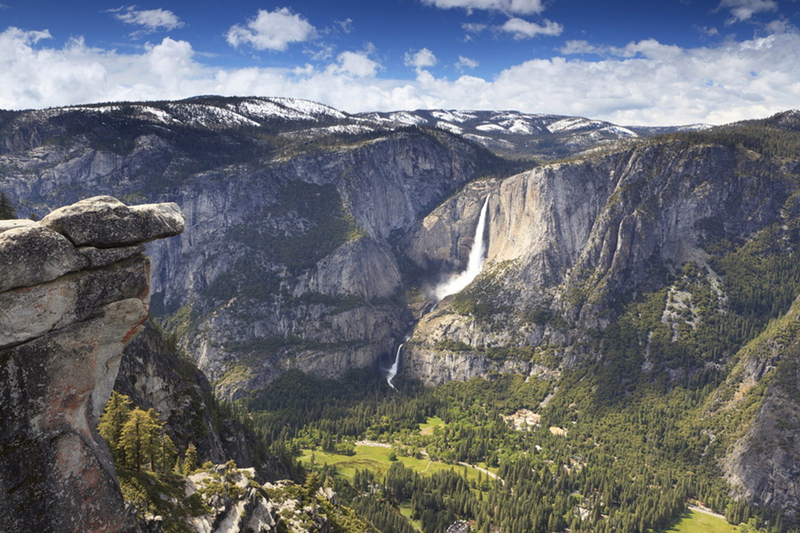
<point x="393" y="370"/>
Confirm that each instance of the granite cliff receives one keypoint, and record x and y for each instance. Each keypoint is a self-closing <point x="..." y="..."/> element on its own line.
<point x="75" y="292"/>
<point x="287" y="260"/>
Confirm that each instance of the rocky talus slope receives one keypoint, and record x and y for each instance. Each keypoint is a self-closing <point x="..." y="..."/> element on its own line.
<point x="75" y="291"/>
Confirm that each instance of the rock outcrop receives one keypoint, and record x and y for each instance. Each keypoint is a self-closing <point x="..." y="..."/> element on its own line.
<point x="75" y="291"/>
<point x="233" y="502"/>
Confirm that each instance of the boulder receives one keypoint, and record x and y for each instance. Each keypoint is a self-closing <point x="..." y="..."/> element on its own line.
<point x="104" y="221"/>
<point x="34" y="254"/>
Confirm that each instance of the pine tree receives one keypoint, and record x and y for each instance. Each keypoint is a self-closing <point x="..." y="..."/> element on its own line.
<point x="312" y="484"/>
<point x="139" y="437"/>
<point x="153" y="438"/>
<point x="166" y="454"/>
<point x="111" y="423"/>
<point x="190" y="460"/>
<point x="178" y="468"/>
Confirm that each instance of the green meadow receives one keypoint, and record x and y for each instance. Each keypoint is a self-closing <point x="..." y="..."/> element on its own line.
<point x="697" y="522"/>
<point x="376" y="459"/>
<point x="431" y="424"/>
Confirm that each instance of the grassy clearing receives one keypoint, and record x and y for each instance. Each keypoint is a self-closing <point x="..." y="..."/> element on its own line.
<point x="696" y="522"/>
<point x="376" y="459"/>
<point x="406" y="510"/>
<point x="432" y="423"/>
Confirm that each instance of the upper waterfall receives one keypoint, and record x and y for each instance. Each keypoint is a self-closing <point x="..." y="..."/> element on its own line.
<point x="458" y="282"/>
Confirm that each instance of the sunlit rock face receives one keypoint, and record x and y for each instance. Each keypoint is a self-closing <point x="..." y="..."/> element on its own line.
<point x="76" y="291"/>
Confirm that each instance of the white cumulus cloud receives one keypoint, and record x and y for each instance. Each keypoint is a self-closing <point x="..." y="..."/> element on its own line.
<point x="356" y="64"/>
<point x="521" y="7"/>
<point x="272" y="30"/>
<point x="517" y="28"/>
<point x="522" y="29"/>
<point x="579" y="47"/>
<point x="466" y="63"/>
<point x="420" y="59"/>
<point x="151" y="19"/>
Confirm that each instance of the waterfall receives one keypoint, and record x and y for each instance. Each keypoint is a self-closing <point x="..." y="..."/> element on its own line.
<point x="393" y="371"/>
<point x="458" y="282"/>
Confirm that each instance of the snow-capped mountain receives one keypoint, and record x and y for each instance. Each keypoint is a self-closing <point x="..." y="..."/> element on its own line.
<point x="521" y="135"/>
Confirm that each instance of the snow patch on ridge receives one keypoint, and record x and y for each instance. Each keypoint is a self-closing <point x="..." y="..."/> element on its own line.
<point x="208" y="115"/>
<point x="453" y="116"/>
<point x="452" y="128"/>
<point x="490" y="127"/>
<point x="309" y="108"/>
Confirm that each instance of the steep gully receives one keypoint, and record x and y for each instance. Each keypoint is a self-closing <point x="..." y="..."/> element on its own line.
<point x="455" y="283"/>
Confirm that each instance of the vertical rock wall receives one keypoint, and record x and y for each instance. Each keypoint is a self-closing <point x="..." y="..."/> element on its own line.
<point x="74" y="290"/>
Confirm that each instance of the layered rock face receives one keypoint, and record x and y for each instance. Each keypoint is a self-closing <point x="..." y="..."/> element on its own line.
<point x="763" y="466"/>
<point x="75" y="291"/>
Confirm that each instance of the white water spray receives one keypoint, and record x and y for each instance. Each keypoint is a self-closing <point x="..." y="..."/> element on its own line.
<point x="393" y="371"/>
<point x="458" y="282"/>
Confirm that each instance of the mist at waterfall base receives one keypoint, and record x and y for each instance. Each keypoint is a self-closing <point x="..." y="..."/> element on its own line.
<point x="457" y="282"/>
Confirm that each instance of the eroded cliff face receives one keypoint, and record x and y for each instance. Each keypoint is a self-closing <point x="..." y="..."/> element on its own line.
<point x="293" y="268"/>
<point x="75" y="291"/>
<point x="288" y="257"/>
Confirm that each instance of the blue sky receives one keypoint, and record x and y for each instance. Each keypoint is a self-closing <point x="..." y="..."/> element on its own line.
<point x="631" y="62"/>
